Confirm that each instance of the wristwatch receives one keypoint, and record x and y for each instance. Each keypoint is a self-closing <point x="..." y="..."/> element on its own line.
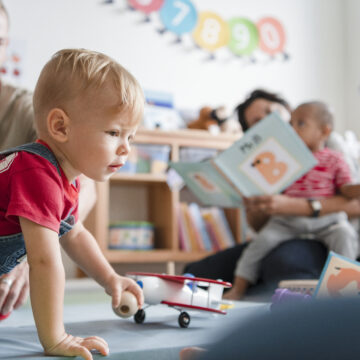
<point x="315" y="206"/>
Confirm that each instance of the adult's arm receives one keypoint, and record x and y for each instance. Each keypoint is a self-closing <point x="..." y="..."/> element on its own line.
<point x="267" y="205"/>
<point x="16" y="117"/>
<point x="16" y="128"/>
<point x="14" y="295"/>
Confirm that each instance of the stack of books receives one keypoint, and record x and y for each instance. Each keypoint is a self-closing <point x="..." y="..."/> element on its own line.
<point x="203" y="229"/>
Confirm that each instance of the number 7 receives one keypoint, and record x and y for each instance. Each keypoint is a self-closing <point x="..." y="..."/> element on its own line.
<point x="184" y="10"/>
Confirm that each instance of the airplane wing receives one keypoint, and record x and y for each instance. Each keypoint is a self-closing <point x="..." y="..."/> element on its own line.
<point x="193" y="307"/>
<point x="182" y="279"/>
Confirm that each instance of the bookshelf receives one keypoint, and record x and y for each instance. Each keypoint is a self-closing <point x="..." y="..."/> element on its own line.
<point x="147" y="197"/>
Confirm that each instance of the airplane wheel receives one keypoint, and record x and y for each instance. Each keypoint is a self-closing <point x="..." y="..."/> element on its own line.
<point x="139" y="317"/>
<point x="184" y="319"/>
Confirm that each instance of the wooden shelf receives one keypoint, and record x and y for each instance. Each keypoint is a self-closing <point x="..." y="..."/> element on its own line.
<point x="153" y="256"/>
<point x="198" y="138"/>
<point x="138" y="178"/>
<point x="158" y="203"/>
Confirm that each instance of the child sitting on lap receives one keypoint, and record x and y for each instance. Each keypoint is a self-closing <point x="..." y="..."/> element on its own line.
<point x="313" y="122"/>
<point x="87" y="110"/>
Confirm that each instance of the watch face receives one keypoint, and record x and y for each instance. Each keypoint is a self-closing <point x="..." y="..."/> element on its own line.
<point x="316" y="205"/>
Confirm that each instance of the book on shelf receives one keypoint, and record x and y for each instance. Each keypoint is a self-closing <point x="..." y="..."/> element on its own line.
<point x="194" y="154"/>
<point x="194" y="235"/>
<point x="217" y="223"/>
<point x="203" y="229"/>
<point x="224" y="227"/>
<point x="214" y="231"/>
<point x="184" y="236"/>
<point x="200" y="225"/>
<point x="267" y="159"/>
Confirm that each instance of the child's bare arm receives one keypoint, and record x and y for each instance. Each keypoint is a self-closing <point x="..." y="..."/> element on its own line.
<point x="351" y="191"/>
<point x="47" y="280"/>
<point x="84" y="250"/>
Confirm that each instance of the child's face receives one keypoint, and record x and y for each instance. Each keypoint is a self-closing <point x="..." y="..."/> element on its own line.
<point x="99" y="137"/>
<point x="309" y="128"/>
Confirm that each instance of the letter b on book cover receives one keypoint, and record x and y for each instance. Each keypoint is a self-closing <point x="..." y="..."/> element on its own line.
<point x="270" y="166"/>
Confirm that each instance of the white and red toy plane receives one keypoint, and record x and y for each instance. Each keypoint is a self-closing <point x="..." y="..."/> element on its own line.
<point x="181" y="292"/>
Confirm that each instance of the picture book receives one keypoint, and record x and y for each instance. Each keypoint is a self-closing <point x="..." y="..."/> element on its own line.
<point x="267" y="159"/>
<point x="340" y="277"/>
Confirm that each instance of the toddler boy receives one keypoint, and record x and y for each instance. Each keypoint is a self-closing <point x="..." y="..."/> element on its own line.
<point x="87" y="109"/>
<point x="313" y="122"/>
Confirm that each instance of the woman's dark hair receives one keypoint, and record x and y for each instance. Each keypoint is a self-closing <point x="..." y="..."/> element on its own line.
<point x="257" y="94"/>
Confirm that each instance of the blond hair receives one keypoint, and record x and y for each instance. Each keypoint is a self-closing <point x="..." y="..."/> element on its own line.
<point x="71" y="73"/>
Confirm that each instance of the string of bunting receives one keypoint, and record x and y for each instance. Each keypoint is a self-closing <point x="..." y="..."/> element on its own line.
<point x="210" y="32"/>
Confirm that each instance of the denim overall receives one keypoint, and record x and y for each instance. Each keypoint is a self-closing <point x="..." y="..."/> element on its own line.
<point x="12" y="247"/>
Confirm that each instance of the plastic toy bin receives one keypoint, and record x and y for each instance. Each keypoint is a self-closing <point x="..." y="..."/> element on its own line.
<point x="146" y="158"/>
<point x="131" y="235"/>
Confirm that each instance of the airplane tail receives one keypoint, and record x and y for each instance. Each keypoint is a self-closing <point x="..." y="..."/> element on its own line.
<point x="215" y="292"/>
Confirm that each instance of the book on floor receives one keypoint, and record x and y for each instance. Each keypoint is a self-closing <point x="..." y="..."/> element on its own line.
<point x="340" y="277"/>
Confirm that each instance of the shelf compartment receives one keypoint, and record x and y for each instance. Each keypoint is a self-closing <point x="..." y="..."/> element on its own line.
<point x="157" y="202"/>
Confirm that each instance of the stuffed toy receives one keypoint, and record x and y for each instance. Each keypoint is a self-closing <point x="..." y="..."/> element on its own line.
<point x="214" y="120"/>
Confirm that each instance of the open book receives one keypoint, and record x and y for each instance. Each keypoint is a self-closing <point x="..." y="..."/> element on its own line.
<point x="267" y="159"/>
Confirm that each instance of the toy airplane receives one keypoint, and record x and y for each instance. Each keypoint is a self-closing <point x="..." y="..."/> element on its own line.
<point x="181" y="292"/>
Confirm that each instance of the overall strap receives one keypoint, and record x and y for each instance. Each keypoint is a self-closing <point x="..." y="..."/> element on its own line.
<point x="37" y="149"/>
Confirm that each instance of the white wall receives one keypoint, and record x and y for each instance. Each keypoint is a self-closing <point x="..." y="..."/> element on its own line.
<point x="316" y="43"/>
<point x="352" y="65"/>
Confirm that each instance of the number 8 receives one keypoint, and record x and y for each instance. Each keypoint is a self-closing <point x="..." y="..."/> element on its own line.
<point x="210" y="31"/>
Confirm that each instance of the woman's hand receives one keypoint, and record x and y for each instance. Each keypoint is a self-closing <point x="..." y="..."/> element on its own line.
<point x="275" y="204"/>
<point x="14" y="288"/>
<point x="77" y="346"/>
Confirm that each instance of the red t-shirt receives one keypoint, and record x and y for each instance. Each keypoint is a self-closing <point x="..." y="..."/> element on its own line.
<point x="31" y="187"/>
<point x="324" y="179"/>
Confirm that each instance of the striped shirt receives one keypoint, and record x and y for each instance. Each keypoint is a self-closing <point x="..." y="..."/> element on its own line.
<point x="324" y="179"/>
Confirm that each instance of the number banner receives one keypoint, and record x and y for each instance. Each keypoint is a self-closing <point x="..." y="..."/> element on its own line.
<point x="212" y="32"/>
<point x="146" y="6"/>
<point x="244" y="36"/>
<point x="272" y="36"/>
<point x="178" y="16"/>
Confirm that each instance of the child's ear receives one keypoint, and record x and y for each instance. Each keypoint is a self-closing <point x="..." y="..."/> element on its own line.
<point x="58" y="124"/>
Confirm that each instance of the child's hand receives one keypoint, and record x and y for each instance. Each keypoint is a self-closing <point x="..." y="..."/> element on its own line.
<point x="117" y="284"/>
<point x="76" y="346"/>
